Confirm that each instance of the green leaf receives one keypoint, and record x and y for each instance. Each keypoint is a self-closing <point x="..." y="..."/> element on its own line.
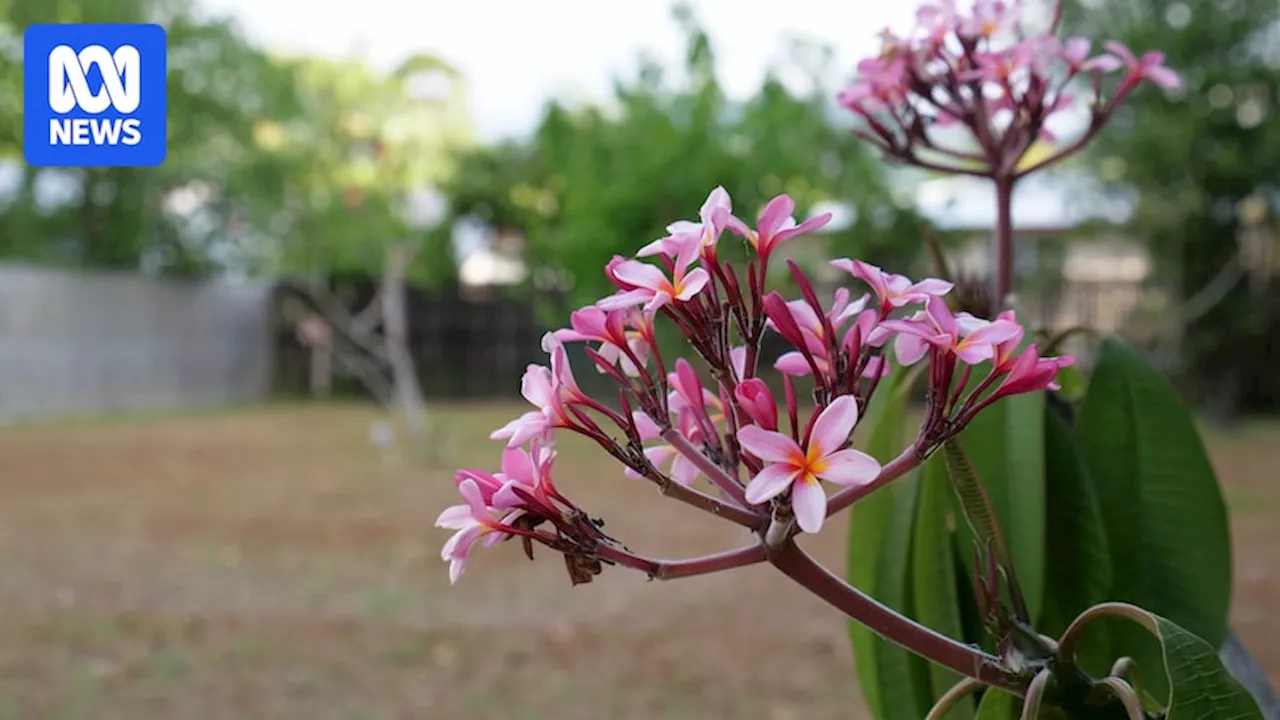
<point x="974" y="502"/>
<point x="933" y="575"/>
<point x="997" y="704"/>
<point x="1072" y="383"/>
<point x="903" y="679"/>
<point x="1079" y="562"/>
<point x="1200" y="688"/>
<point x="1006" y="445"/>
<point x="1166" y="523"/>
<point x="871" y="517"/>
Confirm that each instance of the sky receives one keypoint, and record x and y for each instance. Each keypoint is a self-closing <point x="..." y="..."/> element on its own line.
<point x="517" y="53"/>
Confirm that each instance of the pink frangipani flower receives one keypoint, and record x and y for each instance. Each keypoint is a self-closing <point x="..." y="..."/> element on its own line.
<point x="790" y="466"/>
<point x="893" y="291"/>
<point x="1149" y="67"/>
<point x="972" y="340"/>
<point x="472" y="520"/>
<point x="712" y="218"/>
<point x="774" y="225"/>
<point x="644" y="283"/>
<point x="1029" y="373"/>
<point x="549" y="390"/>
<point x="610" y="329"/>
<point x="756" y="400"/>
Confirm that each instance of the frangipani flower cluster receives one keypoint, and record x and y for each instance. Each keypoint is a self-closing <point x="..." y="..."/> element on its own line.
<point x="708" y="428"/>
<point x="979" y="69"/>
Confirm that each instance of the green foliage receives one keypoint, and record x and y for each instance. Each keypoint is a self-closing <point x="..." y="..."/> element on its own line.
<point x="1193" y="156"/>
<point x="1198" y="685"/>
<point x="274" y="166"/>
<point x="883" y="424"/>
<point x="933" y="580"/>
<point x="593" y="182"/>
<point x="1006" y="445"/>
<point x="1121" y="505"/>
<point x="1081" y="574"/>
<point x="1166" y="522"/>
<point x="997" y="705"/>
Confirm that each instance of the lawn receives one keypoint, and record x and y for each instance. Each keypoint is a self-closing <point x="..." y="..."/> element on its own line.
<point x="271" y="563"/>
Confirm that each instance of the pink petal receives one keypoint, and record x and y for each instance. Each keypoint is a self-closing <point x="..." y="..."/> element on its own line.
<point x="567" y="335"/>
<point x="536" y="386"/>
<point x="941" y="315"/>
<point x="625" y="299"/>
<point x="1076" y="50"/>
<point x="459" y="544"/>
<point x="932" y="286"/>
<point x="973" y="354"/>
<point x="681" y="229"/>
<point x="774" y="213"/>
<point x="518" y="465"/>
<point x="809" y="503"/>
<point x="658" y="300"/>
<point x="683" y="471"/>
<point x="770" y="482"/>
<point x="693" y="284"/>
<point x="522" y="429"/>
<point x="470" y="492"/>
<point x="738" y="227"/>
<point x="455" y="517"/>
<point x="831" y="429"/>
<point x="909" y="348"/>
<point x="738" y="359"/>
<point x="1164" y="77"/>
<point x="1104" y="63"/>
<point x="718" y="199"/>
<point x="641" y="275"/>
<point x="769" y="446"/>
<point x="688" y="254"/>
<point x="1121" y="52"/>
<point x="792" y="363"/>
<point x="995" y="333"/>
<point x="688" y="384"/>
<point x="646" y="426"/>
<point x="850" y="467"/>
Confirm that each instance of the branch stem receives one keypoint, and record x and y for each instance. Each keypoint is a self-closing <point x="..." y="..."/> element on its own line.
<point x="1003" y="244"/>
<point x="889" y="624"/>
<point x="674" y="569"/>
<point x="899" y="466"/>
<point x="721" y="479"/>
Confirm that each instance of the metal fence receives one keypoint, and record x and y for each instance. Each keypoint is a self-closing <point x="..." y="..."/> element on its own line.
<point x="87" y="343"/>
<point x="90" y="343"/>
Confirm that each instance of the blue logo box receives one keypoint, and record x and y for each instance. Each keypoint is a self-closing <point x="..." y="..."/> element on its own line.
<point x="94" y="95"/>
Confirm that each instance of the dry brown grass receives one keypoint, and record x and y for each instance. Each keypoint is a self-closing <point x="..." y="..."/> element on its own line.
<point x="269" y="564"/>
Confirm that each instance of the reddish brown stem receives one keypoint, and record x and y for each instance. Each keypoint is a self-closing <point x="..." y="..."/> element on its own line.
<point x="889" y="624"/>
<point x="674" y="569"/>
<point x="899" y="466"/>
<point x="704" y="502"/>
<point x="1003" y="241"/>
<point x="715" y="473"/>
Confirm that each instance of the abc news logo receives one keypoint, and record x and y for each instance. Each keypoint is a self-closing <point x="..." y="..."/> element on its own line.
<point x="95" y="94"/>
<point x="69" y="90"/>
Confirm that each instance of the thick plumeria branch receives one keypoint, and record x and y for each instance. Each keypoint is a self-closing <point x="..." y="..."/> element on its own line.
<point x="674" y="569"/>
<point x="964" y="659"/>
<point x="765" y="466"/>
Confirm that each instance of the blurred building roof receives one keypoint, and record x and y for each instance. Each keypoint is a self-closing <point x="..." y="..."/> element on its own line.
<point x="1044" y="201"/>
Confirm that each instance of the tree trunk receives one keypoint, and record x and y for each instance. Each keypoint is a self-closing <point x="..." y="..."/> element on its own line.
<point x="408" y="394"/>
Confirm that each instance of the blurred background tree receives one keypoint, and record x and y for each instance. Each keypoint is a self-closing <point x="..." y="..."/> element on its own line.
<point x="597" y="181"/>
<point x="275" y="166"/>
<point x="1195" y="157"/>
